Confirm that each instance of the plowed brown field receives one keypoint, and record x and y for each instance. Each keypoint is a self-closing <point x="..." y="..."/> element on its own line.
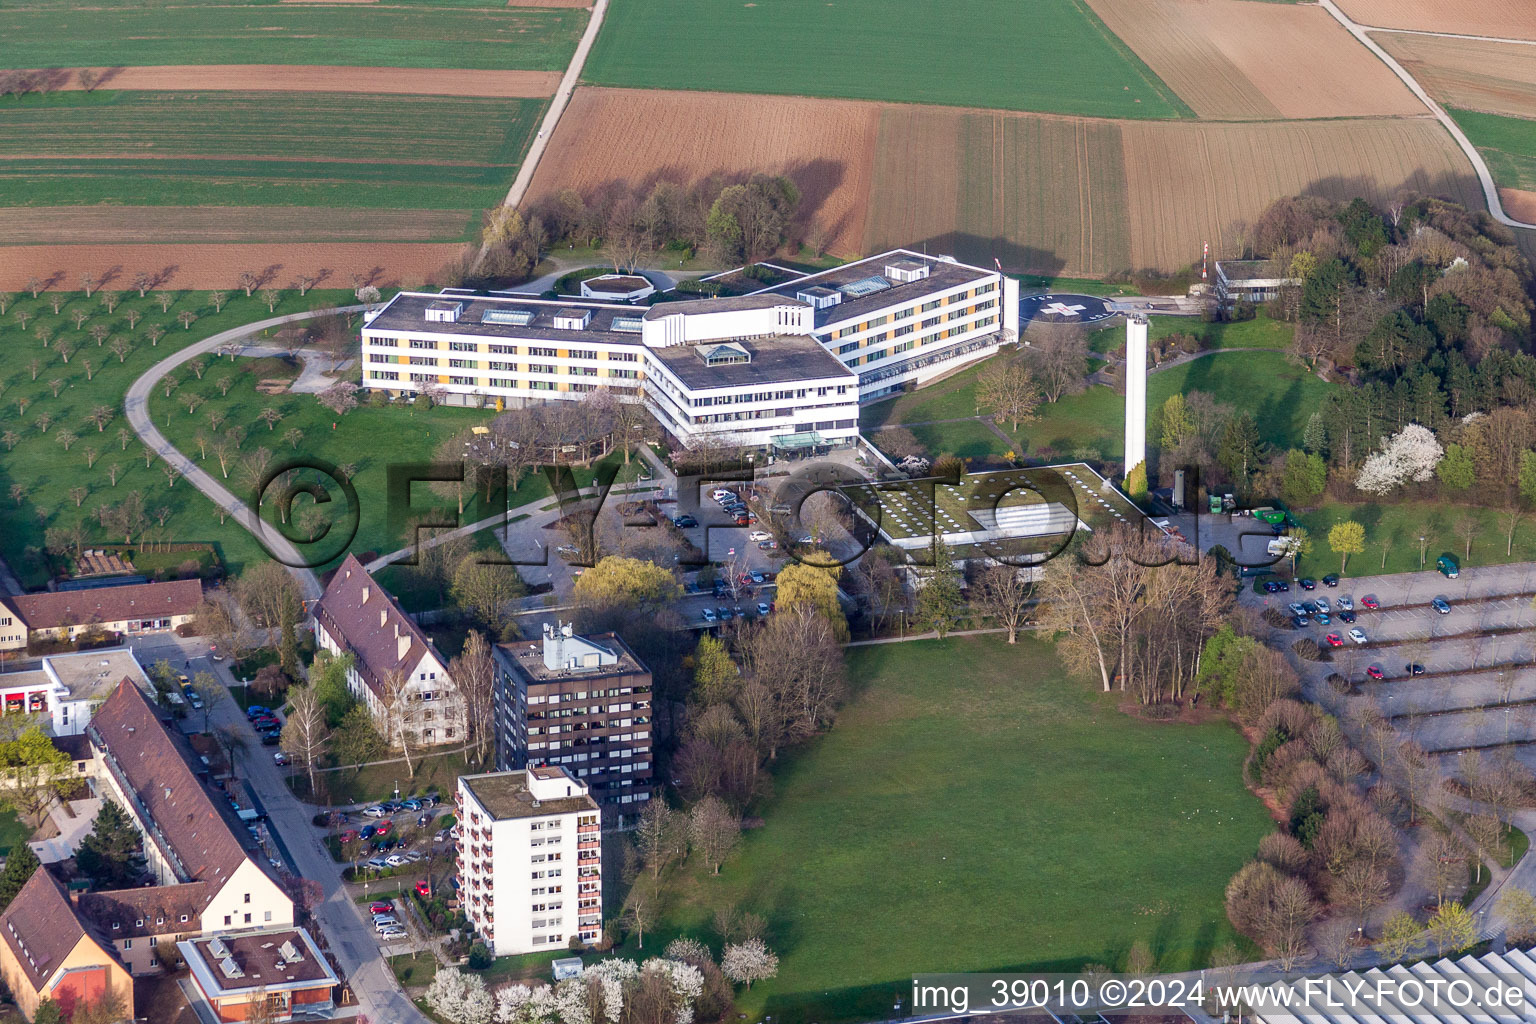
<point x="65" y="225"/>
<point x="1245" y="59"/>
<point x="218" y="266"/>
<point x="321" y="78"/>
<point x="1519" y="204"/>
<point x="1514" y="19"/>
<point x="640" y="136"/>
<point x="1065" y="195"/>
<point x="1192" y="183"/>
<point x="1499" y="78"/>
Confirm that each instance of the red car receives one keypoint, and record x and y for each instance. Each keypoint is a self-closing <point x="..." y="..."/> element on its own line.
<point x="1369" y="602"/>
<point x="1334" y="640"/>
<point x="350" y="835"/>
<point x="380" y="908"/>
<point x="383" y="827"/>
<point x="424" y="889"/>
<point x="1375" y="672"/>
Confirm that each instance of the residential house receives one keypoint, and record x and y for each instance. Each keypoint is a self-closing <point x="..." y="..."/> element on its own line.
<point x="49" y="951"/>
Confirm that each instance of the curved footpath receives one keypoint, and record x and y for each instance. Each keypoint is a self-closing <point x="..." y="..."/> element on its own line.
<point x="136" y="408"/>
<point x="1490" y="190"/>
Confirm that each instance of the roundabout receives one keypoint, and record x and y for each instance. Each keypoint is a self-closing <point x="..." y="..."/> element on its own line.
<point x="1065" y="309"/>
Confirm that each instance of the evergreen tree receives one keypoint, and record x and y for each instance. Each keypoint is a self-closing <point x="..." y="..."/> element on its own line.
<point x="112" y="853"/>
<point x="288" y="652"/>
<point x="1456" y="471"/>
<point x="19" y="865"/>
<point x="1315" y="437"/>
<point x="48" y="1012"/>
<point x="939" y="602"/>
<point x="1241" y="447"/>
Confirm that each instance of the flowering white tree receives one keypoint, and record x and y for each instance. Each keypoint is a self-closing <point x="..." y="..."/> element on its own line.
<point x="749" y="961"/>
<point x="519" y="1004"/>
<point x="688" y="951"/>
<point x="460" y="998"/>
<point x="598" y="994"/>
<point x="1410" y="454"/>
<point x="687" y="982"/>
<point x="340" y="397"/>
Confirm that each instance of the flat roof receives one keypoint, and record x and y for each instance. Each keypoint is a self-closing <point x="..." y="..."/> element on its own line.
<point x="528" y="655"/>
<point x="505" y="796"/>
<point x="782" y="360"/>
<point x="1252" y="270"/>
<point x="259" y="957"/>
<point x="621" y="283"/>
<point x="93" y="675"/>
<point x="32" y="679"/>
<point x="942" y="274"/>
<point x="407" y="312"/>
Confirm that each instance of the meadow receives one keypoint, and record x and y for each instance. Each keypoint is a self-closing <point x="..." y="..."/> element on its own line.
<point x="397" y="35"/>
<point x="253" y="149"/>
<point x="1055" y="57"/>
<point x="1005" y="817"/>
<point x="1507" y="143"/>
<point x="1397" y="527"/>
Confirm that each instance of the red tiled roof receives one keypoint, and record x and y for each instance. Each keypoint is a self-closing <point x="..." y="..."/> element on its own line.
<point x="41" y="927"/>
<point x="152" y="910"/>
<point x="108" y="604"/>
<point x="363" y="619"/>
<point x="155" y="767"/>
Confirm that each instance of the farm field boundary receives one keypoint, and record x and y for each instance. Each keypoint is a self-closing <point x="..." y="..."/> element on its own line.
<point x="1515" y="19"/>
<point x="1496" y="78"/>
<point x="319" y="78"/>
<point x="1237" y="59"/>
<point x="79" y="225"/>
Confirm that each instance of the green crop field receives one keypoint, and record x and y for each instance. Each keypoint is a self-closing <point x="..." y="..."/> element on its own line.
<point x="1507" y="143"/>
<point x="252" y="149"/>
<point x="1053" y="56"/>
<point x="395" y="35"/>
<point x="998" y="817"/>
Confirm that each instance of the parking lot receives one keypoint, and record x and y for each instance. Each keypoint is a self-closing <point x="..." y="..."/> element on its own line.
<point x="1477" y="684"/>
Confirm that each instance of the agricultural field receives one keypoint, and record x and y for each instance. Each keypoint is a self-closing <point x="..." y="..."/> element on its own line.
<point x="45" y="403"/>
<point x="262" y="149"/>
<point x="322" y="78"/>
<point x="1507" y="143"/>
<point x="396" y="35"/>
<point x="1495" y="78"/>
<point x="875" y="827"/>
<point x="1515" y="19"/>
<point x="1237" y="59"/>
<point x="1057" y="196"/>
<point x="1055" y="56"/>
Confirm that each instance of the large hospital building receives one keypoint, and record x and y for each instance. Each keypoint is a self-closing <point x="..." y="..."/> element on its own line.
<point x="783" y="367"/>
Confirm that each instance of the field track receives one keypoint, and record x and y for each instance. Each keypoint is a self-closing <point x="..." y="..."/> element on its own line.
<point x="1075" y="196"/>
<point x="76" y="225"/>
<point x="638" y="136"/>
<point x="1499" y="78"/>
<point x="1238" y="59"/>
<point x="1514" y="19"/>
<point x="217" y="266"/>
<point x="322" y="78"/>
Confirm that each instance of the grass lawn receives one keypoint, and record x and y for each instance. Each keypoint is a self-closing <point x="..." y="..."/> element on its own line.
<point x="1074" y="285"/>
<point x="434" y="773"/>
<point x="310" y="149"/>
<point x="50" y="478"/>
<point x="1089" y="426"/>
<point x="12" y="831"/>
<point x="1260" y="332"/>
<point x="1051" y="56"/>
<point x="405" y="35"/>
<point x="1507" y="143"/>
<point x="1401" y="525"/>
<point x="1002" y="817"/>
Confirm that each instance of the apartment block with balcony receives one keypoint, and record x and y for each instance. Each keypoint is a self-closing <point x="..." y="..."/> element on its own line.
<point x="530" y="859"/>
<point x="579" y="703"/>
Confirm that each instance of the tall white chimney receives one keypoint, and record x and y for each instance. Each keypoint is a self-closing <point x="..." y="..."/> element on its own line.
<point x="1135" y="392"/>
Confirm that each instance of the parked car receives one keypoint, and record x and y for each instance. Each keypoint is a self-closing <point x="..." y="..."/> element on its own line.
<point x="1282" y="586"/>
<point x="394" y="860"/>
<point x="279" y="758"/>
<point x="391" y="806"/>
<point x="1358" y="636"/>
<point x="1300" y="621"/>
<point x="709" y="615"/>
<point x="377" y="863"/>
<point x="415" y="856"/>
<point x="383" y="827"/>
<point x="685" y="522"/>
<point x="1375" y="672"/>
<point x="1442" y="605"/>
<point x="1334" y="640"/>
<point x="757" y="577"/>
<point x="376" y="811"/>
<point x="762" y="607"/>
<point x="412" y="804"/>
<point x="767" y="545"/>
<point x="424" y="889"/>
<point x="1346" y="604"/>
<point x="368" y="832"/>
<point x="1331" y="580"/>
<point x="441" y="837"/>
<point x="1413" y="668"/>
<point x="1323" y="619"/>
<point x="1271" y="586"/>
<point x="1369" y="601"/>
<point x="1448" y="566"/>
<point x="1323" y="605"/>
<point x="393" y="934"/>
<point x="1307" y="584"/>
<point x="350" y="835"/>
<point x="381" y="908"/>
<point x="1348" y="618"/>
<point x="381" y="924"/>
<point x="759" y="535"/>
<point x="271" y="739"/>
<point x="255" y="710"/>
<point x="1297" y="608"/>
<point x="725" y="613"/>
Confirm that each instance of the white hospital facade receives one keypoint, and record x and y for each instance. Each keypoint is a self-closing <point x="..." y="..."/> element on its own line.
<point x="786" y="366"/>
